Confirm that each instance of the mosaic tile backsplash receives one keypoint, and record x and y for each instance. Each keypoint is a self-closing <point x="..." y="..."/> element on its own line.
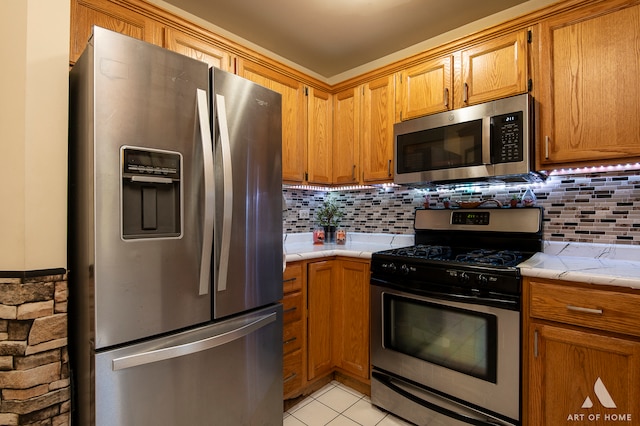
<point x="592" y="208"/>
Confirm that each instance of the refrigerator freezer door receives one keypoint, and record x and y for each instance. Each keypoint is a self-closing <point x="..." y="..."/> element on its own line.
<point x="229" y="373"/>
<point x="248" y="187"/>
<point x="145" y="97"/>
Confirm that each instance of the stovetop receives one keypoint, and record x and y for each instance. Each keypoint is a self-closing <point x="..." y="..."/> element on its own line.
<point x="478" y="256"/>
<point x="463" y="252"/>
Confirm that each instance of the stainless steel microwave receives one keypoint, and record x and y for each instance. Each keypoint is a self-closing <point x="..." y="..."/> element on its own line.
<point x="489" y="141"/>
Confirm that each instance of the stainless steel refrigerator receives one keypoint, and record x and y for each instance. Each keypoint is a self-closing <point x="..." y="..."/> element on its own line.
<point x="175" y="246"/>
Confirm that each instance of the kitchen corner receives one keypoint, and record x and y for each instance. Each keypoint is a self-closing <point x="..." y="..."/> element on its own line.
<point x="299" y="246"/>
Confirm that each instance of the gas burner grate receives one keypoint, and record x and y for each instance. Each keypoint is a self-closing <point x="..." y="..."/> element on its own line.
<point x="491" y="257"/>
<point x="424" y="251"/>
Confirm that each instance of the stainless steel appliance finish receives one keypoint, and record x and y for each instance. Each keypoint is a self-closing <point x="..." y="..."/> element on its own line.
<point x="491" y="141"/>
<point x="175" y="248"/>
<point x="445" y="331"/>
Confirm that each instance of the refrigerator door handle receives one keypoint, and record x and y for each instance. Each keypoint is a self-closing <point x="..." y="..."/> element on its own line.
<point x="207" y="155"/>
<point x="227" y="213"/>
<point x="192" y="347"/>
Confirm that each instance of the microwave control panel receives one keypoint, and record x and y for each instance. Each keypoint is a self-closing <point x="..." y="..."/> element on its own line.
<point x="507" y="137"/>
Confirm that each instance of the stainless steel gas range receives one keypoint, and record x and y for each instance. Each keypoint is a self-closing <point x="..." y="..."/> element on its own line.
<point x="446" y="317"/>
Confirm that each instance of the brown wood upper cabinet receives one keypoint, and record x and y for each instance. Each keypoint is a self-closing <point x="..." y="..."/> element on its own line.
<point x="426" y="88"/>
<point x="109" y="15"/>
<point x="493" y="69"/>
<point x="199" y="49"/>
<point x="589" y="92"/>
<point x="294" y="116"/>
<point x="319" y="137"/>
<point x="363" y="132"/>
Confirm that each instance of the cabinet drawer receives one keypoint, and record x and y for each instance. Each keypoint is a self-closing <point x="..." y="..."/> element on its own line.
<point x="292" y="337"/>
<point x="292" y="278"/>
<point x="599" y="309"/>
<point x="292" y="372"/>
<point x="292" y="307"/>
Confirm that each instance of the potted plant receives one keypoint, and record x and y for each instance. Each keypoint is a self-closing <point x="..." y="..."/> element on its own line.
<point x="515" y="199"/>
<point x="329" y="215"/>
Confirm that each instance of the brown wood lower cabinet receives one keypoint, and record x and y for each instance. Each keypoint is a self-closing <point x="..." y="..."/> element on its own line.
<point x="293" y="329"/>
<point x="332" y="338"/>
<point x="577" y="371"/>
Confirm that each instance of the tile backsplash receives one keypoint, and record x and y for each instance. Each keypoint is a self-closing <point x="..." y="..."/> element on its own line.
<point x="593" y="207"/>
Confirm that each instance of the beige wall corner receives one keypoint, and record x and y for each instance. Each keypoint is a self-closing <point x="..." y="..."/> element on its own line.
<point x="34" y="40"/>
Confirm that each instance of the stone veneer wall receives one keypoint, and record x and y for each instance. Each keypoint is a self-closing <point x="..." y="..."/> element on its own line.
<point x="594" y="207"/>
<point x="34" y="360"/>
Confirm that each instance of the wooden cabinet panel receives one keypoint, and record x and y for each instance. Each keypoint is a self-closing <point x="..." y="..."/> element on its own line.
<point x="495" y="69"/>
<point x="105" y="14"/>
<point x="590" y="95"/>
<point x="600" y="309"/>
<point x="320" y="276"/>
<point x="292" y="374"/>
<point x="294" y="146"/>
<point x="346" y="136"/>
<point x="579" y="377"/>
<point x="426" y="88"/>
<point x="293" y="333"/>
<point x="292" y="307"/>
<point x="351" y="317"/>
<point x="292" y="277"/>
<point x="377" y="130"/>
<point x="197" y="49"/>
<point x="320" y="135"/>
<point x="292" y="337"/>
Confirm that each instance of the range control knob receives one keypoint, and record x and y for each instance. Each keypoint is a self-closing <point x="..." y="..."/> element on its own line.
<point x="463" y="277"/>
<point x="482" y="280"/>
<point x="389" y="267"/>
<point x="404" y="269"/>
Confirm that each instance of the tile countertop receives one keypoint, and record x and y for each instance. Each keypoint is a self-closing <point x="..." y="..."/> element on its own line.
<point x="605" y="264"/>
<point x="299" y="246"/>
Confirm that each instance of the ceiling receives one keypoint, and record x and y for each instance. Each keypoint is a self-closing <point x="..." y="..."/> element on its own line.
<point x="330" y="37"/>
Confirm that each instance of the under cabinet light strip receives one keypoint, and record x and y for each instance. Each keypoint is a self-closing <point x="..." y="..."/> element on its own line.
<point x="596" y="169"/>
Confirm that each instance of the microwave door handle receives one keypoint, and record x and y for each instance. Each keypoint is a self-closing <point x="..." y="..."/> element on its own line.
<point x="227" y="196"/>
<point x="487" y="135"/>
<point x="207" y="155"/>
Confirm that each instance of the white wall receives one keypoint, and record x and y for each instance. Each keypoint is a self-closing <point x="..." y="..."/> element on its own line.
<point x="34" y="51"/>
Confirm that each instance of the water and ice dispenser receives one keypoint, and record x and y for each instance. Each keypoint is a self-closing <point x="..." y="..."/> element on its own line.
<point x="151" y="193"/>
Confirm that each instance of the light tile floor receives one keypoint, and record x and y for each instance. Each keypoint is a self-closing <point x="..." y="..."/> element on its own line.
<point x="338" y="405"/>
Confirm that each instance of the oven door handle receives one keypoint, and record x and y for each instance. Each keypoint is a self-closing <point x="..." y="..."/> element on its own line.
<point x="387" y="381"/>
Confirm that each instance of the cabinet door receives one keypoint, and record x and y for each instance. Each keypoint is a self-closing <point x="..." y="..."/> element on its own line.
<point x="426" y="88"/>
<point x="590" y="95"/>
<point x="294" y="145"/>
<point x="351" y="317"/>
<point x="198" y="49"/>
<point x="577" y="377"/>
<point x="106" y="14"/>
<point x="376" y="139"/>
<point x="319" y="129"/>
<point x="346" y="136"/>
<point x="319" y="333"/>
<point x="494" y="69"/>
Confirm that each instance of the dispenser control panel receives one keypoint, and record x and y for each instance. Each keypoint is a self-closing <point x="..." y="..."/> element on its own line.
<point x="154" y="163"/>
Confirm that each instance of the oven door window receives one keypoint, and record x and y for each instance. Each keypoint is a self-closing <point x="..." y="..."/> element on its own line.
<point x="457" y="145"/>
<point x="458" y="339"/>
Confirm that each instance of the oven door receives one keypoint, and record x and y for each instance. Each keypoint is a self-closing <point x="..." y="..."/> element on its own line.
<point x="464" y="353"/>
